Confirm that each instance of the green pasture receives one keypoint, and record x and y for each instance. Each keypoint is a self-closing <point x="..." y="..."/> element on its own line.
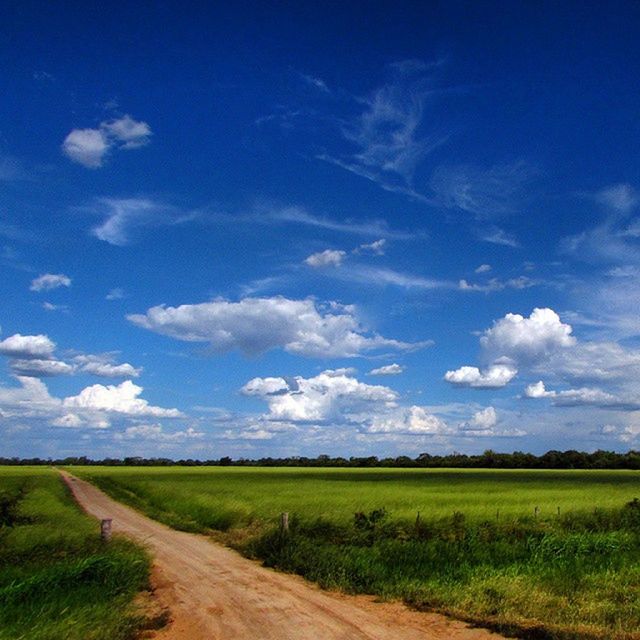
<point x="479" y="550"/>
<point x="58" y="580"/>
<point x="222" y="497"/>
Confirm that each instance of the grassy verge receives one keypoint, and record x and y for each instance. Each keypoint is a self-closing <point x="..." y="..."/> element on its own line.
<point x="57" y="579"/>
<point x="568" y="575"/>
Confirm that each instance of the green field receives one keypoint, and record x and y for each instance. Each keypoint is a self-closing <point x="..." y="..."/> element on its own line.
<point x="58" y="581"/>
<point x="479" y="550"/>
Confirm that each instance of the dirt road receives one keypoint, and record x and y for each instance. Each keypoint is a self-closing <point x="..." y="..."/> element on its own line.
<point x="215" y="594"/>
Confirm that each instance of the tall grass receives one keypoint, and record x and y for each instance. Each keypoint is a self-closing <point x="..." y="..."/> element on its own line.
<point x="58" y="580"/>
<point x="479" y="549"/>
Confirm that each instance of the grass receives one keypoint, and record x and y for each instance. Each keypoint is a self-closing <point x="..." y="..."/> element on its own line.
<point x="58" y="580"/>
<point x="478" y="551"/>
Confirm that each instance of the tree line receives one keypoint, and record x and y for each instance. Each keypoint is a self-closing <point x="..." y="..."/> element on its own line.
<point x="489" y="459"/>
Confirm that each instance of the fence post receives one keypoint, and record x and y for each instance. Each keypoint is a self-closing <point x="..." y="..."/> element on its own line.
<point x="284" y="523"/>
<point x="535" y="512"/>
<point x="105" y="529"/>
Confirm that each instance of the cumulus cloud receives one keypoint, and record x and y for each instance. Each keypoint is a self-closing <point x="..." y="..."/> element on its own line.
<point x="483" y="268"/>
<point x="326" y="258"/>
<point x="387" y="370"/>
<point x="87" y="147"/>
<point x="494" y="377"/>
<point x="30" y="399"/>
<point x="517" y="337"/>
<point x="49" y="281"/>
<point x="19" y="346"/>
<point x="412" y="420"/>
<point x="482" y="420"/>
<point x="330" y="396"/>
<point x="123" y="398"/>
<point x="256" y="325"/>
<point x="90" y="147"/>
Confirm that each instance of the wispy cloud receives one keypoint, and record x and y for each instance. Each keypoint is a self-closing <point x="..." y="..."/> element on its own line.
<point x="485" y="193"/>
<point x="124" y="216"/>
<point x="496" y="235"/>
<point x="299" y="215"/>
<point x="387" y="134"/>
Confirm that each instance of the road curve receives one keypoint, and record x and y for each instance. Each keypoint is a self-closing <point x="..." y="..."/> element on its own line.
<point x="213" y="593"/>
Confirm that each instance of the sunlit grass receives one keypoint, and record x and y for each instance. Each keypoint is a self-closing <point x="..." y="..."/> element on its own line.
<point x="58" y="580"/>
<point x="544" y="554"/>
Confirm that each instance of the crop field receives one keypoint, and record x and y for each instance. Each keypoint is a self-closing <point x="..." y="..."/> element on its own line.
<point x="544" y="554"/>
<point x="57" y="579"/>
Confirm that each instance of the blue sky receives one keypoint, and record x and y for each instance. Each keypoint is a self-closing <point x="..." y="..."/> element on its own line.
<point x="336" y="228"/>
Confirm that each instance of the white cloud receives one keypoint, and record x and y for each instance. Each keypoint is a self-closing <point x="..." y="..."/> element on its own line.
<point x="155" y="433"/>
<point x="619" y="197"/>
<point x="482" y="420"/>
<point x="38" y="368"/>
<point x="122" y="398"/>
<point x="103" y="365"/>
<point x="381" y="276"/>
<point x="326" y="258"/>
<point x="583" y="396"/>
<point x="48" y="306"/>
<point x="124" y="216"/>
<point x="19" y="346"/>
<point x="90" y="147"/>
<point x="376" y="248"/>
<point x="412" y="420"/>
<point x="115" y="294"/>
<point x="256" y="325"/>
<point x="387" y="370"/>
<point x="50" y="281"/>
<point x="386" y="137"/>
<point x="517" y="337"/>
<point x="522" y="282"/>
<point x="70" y="420"/>
<point x="127" y="131"/>
<point x="31" y="399"/>
<point x="486" y="193"/>
<point x="300" y="216"/>
<point x="537" y="390"/>
<point x="483" y="268"/>
<point x="331" y="396"/>
<point x="495" y="235"/>
<point x="494" y="377"/>
<point x="87" y="147"/>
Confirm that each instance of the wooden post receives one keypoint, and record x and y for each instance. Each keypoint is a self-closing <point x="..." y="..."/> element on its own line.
<point x="284" y="522"/>
<point x="535" y="512"/>
<point x="558" y="511"/>
<point x="105" y="529"/>
<point x="418" y="520"/>
<point x="497" y="514"/>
